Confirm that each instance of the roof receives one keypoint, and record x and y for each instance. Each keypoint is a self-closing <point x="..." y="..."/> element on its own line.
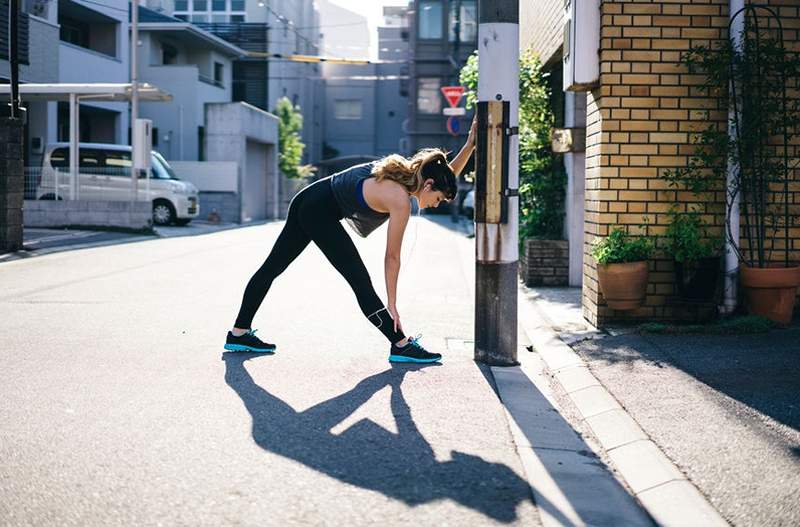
<point x="98" y="146"/>
<point x="193" y="35"/>
<point x="148" y="15"/>
<point x="94" y="91"/>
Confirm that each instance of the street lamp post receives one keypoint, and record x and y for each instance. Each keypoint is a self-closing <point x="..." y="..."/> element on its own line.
<point x="497" y="182"/>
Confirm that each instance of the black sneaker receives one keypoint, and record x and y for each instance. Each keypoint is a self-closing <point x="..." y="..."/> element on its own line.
<point x="248" y="342"/>
<point x="412" y="352"/>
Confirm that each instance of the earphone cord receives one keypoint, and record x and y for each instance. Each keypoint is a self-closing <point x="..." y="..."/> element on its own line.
<point x="416" y="226"/>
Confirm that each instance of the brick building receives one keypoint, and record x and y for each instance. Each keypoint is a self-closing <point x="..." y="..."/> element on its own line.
<point x="640" y="120"/>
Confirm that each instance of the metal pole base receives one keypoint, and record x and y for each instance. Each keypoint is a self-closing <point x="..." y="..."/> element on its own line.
<point x="496" y="313"/>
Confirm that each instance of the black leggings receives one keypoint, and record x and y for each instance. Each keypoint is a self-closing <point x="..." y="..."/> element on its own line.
<point x="314" y="216"/>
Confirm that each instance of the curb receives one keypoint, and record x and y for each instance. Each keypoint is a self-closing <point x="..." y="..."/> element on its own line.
<point x="133" y="238"/>
<point x="661" y="488"/>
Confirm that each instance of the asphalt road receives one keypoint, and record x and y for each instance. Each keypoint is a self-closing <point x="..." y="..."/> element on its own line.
<point x="725" y="409"/>
<point x="117" y="405"/>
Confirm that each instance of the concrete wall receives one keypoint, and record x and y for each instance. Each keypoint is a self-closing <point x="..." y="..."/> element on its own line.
<point x="350" y="136"/>
<point x="178" y="120"/>
<point x="213" y="176"/>
<point x="236" y="132"/>
<point x="132" y="215"/>
<point x="226" y="205"/>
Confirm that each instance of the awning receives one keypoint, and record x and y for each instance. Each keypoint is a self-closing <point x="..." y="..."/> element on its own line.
<point x="94" y="91"/>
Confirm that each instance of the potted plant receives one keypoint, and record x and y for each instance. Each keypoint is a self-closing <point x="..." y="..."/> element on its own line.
<point x="622" y="268"/>
<point x="696" y="256"/>
<point x="749" y="159"/>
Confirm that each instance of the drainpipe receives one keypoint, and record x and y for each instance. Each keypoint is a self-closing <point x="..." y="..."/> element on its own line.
<point x="732" y="212"/>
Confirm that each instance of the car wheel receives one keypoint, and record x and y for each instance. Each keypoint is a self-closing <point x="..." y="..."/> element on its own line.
<point x="163" y="212"/>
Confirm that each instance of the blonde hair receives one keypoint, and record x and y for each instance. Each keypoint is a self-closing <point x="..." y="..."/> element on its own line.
<point x="409" y="171"/>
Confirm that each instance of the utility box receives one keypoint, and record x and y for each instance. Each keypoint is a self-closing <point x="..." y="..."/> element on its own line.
<point x="581" y="56"/>
<point x="142" y="143"/>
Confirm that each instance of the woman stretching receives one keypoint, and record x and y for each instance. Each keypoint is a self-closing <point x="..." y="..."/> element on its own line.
<point x="366" y="196"/>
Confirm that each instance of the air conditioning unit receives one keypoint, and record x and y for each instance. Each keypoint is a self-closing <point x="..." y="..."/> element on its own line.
<point x="143" y="143"/>
<point x="581" y="44"/>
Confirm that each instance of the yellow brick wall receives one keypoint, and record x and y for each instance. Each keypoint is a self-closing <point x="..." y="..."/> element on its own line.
<point x="640" y="123"/>
<point x="541" y="26"/>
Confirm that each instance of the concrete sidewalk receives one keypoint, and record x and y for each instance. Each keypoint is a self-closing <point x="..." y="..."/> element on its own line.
<point x="718" y="411"/>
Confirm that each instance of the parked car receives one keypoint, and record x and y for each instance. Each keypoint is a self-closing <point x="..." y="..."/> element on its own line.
<point x="104" y="173"/>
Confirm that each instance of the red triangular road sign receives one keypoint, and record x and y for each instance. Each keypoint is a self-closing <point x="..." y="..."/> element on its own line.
<point x="453" y="94"/>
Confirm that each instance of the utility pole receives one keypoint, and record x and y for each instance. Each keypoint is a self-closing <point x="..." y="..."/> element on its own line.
<point x="497" y="182"/>
<point x="11" y="154"/>
<point x="134" y="96"/>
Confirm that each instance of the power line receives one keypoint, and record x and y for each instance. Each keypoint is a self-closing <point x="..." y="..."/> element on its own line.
<point x="334" y="25"/>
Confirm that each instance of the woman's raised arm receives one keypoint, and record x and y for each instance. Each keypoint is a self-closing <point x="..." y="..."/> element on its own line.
<point x="460" y="161"/>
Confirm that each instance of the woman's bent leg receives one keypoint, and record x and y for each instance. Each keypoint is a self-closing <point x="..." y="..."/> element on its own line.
<point x="338" y="248"/>
<point x="290" y="243"/>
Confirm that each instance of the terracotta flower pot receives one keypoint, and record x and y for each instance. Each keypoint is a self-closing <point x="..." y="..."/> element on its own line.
<point x="624" y="285"/>
<point x="771" y="291"/>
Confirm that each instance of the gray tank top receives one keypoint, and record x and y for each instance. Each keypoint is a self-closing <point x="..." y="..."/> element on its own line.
<point x="346" y="186"/>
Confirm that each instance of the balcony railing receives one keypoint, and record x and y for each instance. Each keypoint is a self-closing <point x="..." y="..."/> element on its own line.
<point x="209" y="80"/>
<point x="249" y="36"/>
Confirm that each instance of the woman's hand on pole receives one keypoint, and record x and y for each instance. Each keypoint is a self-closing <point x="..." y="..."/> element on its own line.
<point x="473" y="132"/>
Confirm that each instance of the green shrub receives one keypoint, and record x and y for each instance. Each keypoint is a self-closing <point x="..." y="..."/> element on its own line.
<point x="542" y="177"/>
<point x="688" y="239"/>
<point x="620" y="247"/>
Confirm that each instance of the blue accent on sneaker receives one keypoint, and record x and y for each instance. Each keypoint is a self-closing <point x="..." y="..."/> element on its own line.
<point x="241" y="347"/>
<point x="402" y="358"/>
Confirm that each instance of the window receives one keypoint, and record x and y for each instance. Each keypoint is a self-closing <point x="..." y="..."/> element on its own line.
<point x="215" y="11"/>
<point x="430" y="19"/>
<point x="219" y="71"/>
<point x="467" y="21"/>
<point x="429" y="100"/>
<point x="169" y="54"/>
<point x="118" y="163"/>
<point x="90" y="159"/>
<point x="74" y="32"/>
<point x="347" y="109"/>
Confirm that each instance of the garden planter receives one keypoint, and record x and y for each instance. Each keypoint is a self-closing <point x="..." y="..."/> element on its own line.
<point x="771" y="292"/>
<point x="624" y="285"/>
<point x="544" y="262"/>
<point x="697" y="280"/>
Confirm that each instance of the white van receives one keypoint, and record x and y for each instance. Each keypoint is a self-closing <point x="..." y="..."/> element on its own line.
<point x="105" y="174"/>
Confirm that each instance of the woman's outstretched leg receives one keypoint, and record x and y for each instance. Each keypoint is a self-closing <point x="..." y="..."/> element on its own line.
<point x="290" y="243"/>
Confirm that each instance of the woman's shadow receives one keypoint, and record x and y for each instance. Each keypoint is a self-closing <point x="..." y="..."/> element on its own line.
<point x="401" y="466"/>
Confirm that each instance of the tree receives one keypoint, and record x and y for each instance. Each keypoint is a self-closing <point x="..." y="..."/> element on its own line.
<point x="541" y="174"/>
<point x="290" y="147"/>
